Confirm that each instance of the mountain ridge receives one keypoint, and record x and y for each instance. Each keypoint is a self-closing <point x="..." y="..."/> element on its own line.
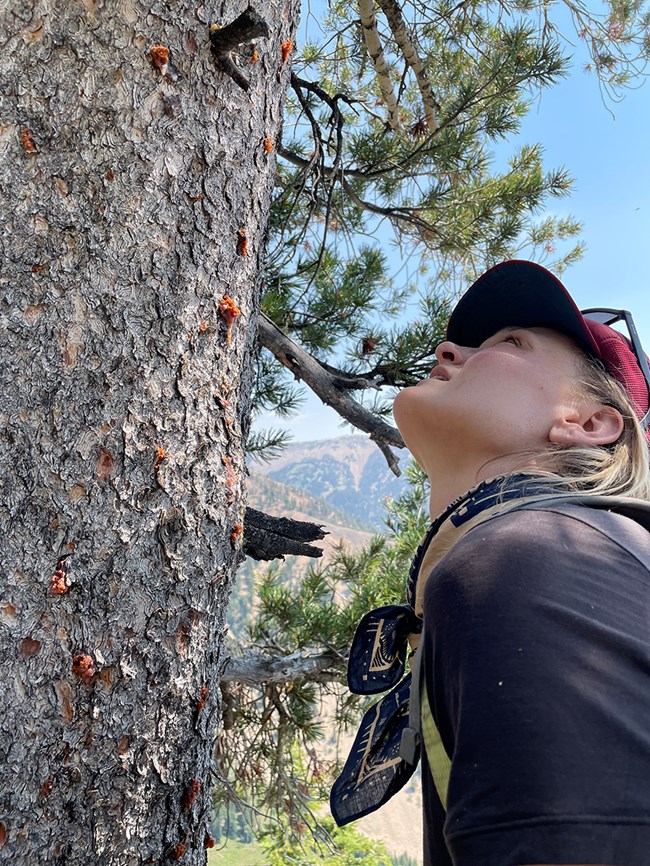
<point x="349" y="473"/>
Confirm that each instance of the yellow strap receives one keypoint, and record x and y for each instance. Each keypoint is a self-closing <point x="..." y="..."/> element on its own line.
<point x="439" y="762"/>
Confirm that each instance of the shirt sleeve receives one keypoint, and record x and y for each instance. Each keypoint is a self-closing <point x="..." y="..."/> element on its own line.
<point x="537" y="669"/>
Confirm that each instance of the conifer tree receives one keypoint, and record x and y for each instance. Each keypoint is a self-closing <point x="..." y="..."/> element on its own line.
<point x="389" y="185"/>
<point x="132" y="170"/>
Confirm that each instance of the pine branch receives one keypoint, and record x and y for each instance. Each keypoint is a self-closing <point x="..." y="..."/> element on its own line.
<point x="301" y="162"/>
<point x="397" y="24"/>
<point x="319" y="155"/>
<point x="404" y="215"/>
<point x="266" y="445"/>
<point x="394" y="167"/>
<point x="376" y="52"/>
<point x="254" y="668"/>
<point x="325" y="386"/>
<point x="356" y="382"/>
<point x="318" y="91"/>
<point x="388" y="454"/>
<point x="337" y="122"/>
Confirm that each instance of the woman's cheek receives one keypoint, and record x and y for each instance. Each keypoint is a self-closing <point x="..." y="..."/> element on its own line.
<point x="405" y="403"/>
<point x="410" y="421"/>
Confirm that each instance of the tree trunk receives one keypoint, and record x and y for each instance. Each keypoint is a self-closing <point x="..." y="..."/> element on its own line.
<point x="134" y="193"/>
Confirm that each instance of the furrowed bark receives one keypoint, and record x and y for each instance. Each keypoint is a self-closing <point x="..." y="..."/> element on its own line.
<point x="128" y="169"/>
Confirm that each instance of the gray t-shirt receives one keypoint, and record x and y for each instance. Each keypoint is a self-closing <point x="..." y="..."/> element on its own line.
<point x="537" y="669"/>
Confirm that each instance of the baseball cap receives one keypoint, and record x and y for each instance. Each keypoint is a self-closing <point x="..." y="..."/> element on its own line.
<point x="526" y="295"/>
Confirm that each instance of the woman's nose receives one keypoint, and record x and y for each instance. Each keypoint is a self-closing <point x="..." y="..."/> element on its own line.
<point x="451" y="353"/>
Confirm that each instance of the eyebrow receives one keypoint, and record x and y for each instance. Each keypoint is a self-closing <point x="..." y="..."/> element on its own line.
<point x="507" y="330"/>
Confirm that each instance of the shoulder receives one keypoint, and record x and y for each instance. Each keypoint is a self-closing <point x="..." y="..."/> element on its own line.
<point x="558" y="529"/>
<point x="537" y="664"/>
<point x="517" y="559"/>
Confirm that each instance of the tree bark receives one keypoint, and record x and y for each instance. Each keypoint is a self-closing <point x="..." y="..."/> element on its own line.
<point x="134" y="193"/>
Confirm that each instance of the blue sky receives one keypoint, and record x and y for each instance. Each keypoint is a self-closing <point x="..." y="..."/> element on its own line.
<point x="607" y="152"/>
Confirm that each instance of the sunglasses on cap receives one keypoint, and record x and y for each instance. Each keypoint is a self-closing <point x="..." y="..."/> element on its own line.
<point x="609" y="317"/>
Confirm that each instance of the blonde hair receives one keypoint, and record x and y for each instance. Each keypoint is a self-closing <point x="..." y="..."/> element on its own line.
<point x="619" y="469"/>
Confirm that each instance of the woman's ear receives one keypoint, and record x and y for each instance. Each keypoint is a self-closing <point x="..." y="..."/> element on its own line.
<point x="601" y="427"/>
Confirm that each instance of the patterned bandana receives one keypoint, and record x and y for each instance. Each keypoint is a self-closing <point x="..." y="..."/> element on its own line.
<point x="374" y="770"/>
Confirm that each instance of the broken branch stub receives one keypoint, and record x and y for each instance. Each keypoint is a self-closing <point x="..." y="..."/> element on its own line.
<point x="268" y="537"/>
<point x="246" y="27"/>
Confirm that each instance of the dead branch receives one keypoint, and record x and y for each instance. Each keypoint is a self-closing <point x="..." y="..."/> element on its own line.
<point x="399" y="28"/>
<point x="325" y="385"/>
<point x="253" y="668"/>
<point x="268" y="537"/>
<point x="376" y="52"/>
<point x="246" y="27"/>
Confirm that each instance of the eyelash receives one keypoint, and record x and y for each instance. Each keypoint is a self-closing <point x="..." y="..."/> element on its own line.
<point x="514" y="340"/>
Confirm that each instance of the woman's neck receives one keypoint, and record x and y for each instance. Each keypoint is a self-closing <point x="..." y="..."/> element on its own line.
<point x="450" y="483"/>
<point x="446" y="490"/>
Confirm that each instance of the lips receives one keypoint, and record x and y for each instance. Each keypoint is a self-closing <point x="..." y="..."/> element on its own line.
<point x="439" y="373"/>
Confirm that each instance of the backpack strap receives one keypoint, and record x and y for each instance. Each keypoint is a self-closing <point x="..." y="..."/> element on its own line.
<point x="637" y="510"/>
<point x="409" y="748"/>
<point x="421" y="727"/>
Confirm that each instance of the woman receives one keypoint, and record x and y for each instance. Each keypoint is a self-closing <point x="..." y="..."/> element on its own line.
<point x="533" y="587"/>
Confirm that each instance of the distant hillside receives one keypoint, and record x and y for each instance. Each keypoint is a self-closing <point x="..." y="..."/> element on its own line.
<point x="275" y="497"/>
<point x="284" y="500"/>
<point x="350" y="473"/>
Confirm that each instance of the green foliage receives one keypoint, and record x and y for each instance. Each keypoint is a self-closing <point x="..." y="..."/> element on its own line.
<point x="272" y="756"/>
<point x="324" y="609"/>
<point x="266" y="445"/>
<point x="403" y="860"/>
<point x="274" y="393"/>
<point x="334" y="847"/>
<point x="355" y="197"/>
<point x="232" y="853"/>
<point x="338" y="846"/>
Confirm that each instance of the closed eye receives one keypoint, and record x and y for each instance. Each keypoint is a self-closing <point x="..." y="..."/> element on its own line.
<point x="507" y="335"/>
